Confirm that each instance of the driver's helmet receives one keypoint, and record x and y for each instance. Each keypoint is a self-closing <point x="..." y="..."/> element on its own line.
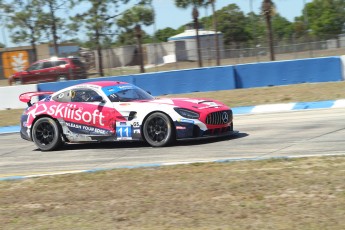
<point x="85" y="96"/>
<point x="81" y="96"/>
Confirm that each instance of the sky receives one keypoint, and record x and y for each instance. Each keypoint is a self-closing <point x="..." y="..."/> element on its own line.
<point x="168" y="15"/>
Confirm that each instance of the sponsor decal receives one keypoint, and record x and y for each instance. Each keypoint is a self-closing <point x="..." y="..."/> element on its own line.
<point x="123" y="132"/>
<point x="180" y="127"/>
<point x="185" y="120"/>
<point x="136" y="124"/>
<point x="123" y="123"/>
<point x="136" y="131"/>
<point x="79" y="128"/>
<point x="68" y="111"/>
<point x="110" y="90"/>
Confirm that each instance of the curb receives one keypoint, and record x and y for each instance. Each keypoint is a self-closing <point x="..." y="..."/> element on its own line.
<point x="269" y="108"/>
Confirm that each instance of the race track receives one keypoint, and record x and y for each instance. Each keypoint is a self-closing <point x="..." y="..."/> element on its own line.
<point x="300" y="133"/>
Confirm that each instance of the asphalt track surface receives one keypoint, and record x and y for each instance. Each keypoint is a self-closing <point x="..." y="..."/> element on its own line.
<point x="284" y="134"/>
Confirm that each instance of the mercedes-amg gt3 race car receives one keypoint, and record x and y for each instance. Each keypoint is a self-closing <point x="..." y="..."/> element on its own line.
<point x="106" y="111"/>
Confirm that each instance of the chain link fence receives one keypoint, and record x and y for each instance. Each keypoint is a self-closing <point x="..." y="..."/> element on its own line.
<point x="175" y="58"/>
<point x="179" y="55"/>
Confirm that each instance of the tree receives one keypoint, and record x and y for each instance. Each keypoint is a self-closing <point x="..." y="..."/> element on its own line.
<point x="214" y="14"/>
<point x="232" y="23"/>
<point x="2" y="45"/>
<point x="133" y="19"/>
<point x="127" y="37"/>
<point x="98" y="22"/>
<point x="325" y="17"/>
<point x="256" y="28"/>
<point x="282" y="28"/>
<point x="24" y="21"/>
<point x="267" y="9"/>
<point x="53" y="23"/>
<point x="162" y="35"/>
<point x="195" y="14"/>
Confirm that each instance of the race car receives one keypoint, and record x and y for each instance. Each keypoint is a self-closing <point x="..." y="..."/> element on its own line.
<point x="106" y="111"/>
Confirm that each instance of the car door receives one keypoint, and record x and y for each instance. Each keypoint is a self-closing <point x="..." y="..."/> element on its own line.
<point x="32" y="74"/>
<point x="93" y="112"/>
<point x="60" y="70"/>
<point x="84" y="111"/>
<point x="47" y="72"/>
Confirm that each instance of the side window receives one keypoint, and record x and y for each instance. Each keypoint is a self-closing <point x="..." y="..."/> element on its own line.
<point x="35" y="67"/>
<point x="58" y="63"/>
<point x="65" y="96"/>
<point x="47" y="64"/>
<point x="84" y="95"/>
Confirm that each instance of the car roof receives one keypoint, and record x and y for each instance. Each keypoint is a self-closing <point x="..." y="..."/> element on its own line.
<point x="104" y="83"/>
<point x="57" y="59"/>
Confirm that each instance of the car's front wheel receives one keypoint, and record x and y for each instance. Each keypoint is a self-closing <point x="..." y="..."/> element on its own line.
<point x="18" y="81"/>
<point x="46" y="134"/>
<point x="158" y="130"/>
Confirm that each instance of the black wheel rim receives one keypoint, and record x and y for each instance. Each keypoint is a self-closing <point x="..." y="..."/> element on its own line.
<point x="157" y="129"/>
<point x="45" y="133"/>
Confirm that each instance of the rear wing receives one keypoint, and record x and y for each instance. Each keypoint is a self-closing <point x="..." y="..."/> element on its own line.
<point x="26" y="97"/>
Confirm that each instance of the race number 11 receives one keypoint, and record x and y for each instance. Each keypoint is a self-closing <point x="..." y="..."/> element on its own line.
<point x="124" y="131"/>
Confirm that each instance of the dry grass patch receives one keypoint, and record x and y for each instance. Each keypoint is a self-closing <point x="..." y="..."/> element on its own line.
<point x="273" y="194"/>
<point x="276" y="94"/>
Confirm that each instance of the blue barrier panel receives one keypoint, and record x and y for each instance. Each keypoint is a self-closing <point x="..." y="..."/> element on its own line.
<point x="173" y="82"/>
<point x="187" y="81"/>
<point x="288" y="72"/>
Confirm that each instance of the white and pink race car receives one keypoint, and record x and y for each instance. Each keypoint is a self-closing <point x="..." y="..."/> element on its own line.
<point x="106" y="111"/>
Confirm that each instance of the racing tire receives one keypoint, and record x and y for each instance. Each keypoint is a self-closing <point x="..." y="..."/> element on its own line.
<point x="18" y="81"/>
<point x="46" y="134"/>
<point x="158" y="130"/>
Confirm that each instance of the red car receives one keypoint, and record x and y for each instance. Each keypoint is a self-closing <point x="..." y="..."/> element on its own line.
<point x="48" y="70"/>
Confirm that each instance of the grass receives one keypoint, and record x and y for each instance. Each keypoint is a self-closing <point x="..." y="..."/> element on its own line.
<point x="307" y="193"/>
<point x="243" y="97"/>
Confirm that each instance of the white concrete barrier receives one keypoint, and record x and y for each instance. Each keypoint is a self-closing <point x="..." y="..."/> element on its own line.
<point x="9" y="96"/>
<point x="342" y="58"/>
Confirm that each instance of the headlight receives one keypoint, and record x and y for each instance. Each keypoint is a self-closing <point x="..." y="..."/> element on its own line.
<point x="187" y="113"/>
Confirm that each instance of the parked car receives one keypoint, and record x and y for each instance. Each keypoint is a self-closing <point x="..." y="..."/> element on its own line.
<point x="50" y="70"/>
<point x="107" y="111"/>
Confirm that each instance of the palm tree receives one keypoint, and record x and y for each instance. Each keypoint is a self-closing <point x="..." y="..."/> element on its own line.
<point x="212" y="2"/>
<point x="267" y="9"/>
<point x="133" y="19"/>
<point x="195" y="14"/>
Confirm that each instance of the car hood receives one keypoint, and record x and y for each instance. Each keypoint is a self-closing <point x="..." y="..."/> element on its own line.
<point x="195" y="104"/>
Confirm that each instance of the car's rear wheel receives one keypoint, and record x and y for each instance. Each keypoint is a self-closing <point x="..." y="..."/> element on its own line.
<point x="46" y="134"/>
<point x="158" y="130"/>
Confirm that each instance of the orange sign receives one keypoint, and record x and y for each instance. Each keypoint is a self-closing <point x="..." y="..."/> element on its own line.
<point x="14" y="61"/>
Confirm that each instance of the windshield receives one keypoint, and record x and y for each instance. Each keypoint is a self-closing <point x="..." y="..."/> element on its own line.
<point x="127" y="92"/>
